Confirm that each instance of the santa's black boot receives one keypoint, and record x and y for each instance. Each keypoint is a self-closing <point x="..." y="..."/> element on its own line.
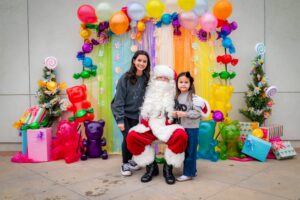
<point x="168" y="174"/>
<point x="151" y="170"/>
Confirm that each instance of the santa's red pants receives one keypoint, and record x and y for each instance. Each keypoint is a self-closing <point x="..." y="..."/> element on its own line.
<point x="136" y="142"/>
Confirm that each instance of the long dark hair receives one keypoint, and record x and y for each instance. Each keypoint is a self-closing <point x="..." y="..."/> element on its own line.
<point x="131" y="74"/>
<point x="192" y="87"/>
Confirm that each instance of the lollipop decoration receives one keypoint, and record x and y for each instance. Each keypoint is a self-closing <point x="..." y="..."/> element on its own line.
<point x="260" y="48"/>
<point x="271" y="91"/>
<point x="51" y="62"/>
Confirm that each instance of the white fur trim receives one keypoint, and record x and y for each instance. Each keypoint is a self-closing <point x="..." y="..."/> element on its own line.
<point x="160" y="130"/>
<point x="140" y="128"/>
<point x="146" y="157"/>
<point x="175" y="159"/>
<point x="164" y="70"/>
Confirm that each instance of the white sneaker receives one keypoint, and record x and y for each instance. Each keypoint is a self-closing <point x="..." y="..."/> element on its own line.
<point x="125" y="169"/>
<point x="133" y="166"/>
<point x="184" y="178"/>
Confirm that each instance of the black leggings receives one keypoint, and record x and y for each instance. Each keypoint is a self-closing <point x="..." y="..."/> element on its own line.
<point x="129" y="123"/>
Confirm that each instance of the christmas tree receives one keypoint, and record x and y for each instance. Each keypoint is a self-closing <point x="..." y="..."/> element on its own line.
<point x="48" y="92"/>
<point x="258" y="101"/>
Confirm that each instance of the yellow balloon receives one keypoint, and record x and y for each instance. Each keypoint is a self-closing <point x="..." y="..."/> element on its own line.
<point x="155" y="8"/>
<point x="258" y="133"/>
<point x="220" y="98"/>
<point x="186" y="5"/>
<point x="141" y="26"/>
<point x="85" y="33"/>
<point x="51" y="85"/>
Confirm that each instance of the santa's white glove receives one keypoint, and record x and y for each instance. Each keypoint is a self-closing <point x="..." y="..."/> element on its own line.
<point x="198" y="101"/>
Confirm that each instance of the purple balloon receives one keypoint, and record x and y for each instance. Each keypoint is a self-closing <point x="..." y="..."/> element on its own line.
<point x="218" y="116"/>
<point x="175" y="23"/>
<point x="233" y="25"/>
<point x="87" y="47"/>
<point x="226" y="29"/>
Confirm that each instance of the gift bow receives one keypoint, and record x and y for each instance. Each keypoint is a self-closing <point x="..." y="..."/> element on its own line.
<point x="249" y="144"/>
<point x="40" y="135"/>
<point x="278" y="145"/>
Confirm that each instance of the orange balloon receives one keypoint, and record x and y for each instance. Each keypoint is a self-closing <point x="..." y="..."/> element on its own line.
<point x="222" y="9"/>
<point x="119" y="23"/>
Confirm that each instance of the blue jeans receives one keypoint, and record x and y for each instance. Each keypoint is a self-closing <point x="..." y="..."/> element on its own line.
<point x="189" y="165"/>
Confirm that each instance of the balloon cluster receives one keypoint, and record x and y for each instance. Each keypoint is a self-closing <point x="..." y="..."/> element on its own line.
<point x="89" y="69"/>
<point x="226" y="59"/>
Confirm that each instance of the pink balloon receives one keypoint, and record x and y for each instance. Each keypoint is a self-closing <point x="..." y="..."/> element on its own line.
<point x="87" y="14"/>
<point x="208" y="22"/>
<point x="188" y="20"/>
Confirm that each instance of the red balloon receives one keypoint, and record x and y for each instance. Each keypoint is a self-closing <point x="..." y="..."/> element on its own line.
<point x="124" y="10"/>
<point x="87" y="14"/>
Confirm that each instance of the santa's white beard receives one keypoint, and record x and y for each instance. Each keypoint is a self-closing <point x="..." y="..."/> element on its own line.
<point x="159" y="99"/>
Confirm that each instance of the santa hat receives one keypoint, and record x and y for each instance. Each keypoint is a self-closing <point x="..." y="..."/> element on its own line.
<point x="164" y="70"/>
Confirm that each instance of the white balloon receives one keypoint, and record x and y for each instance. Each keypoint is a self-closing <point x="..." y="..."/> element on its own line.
<point x="172" y="6"/>
<point x="201" y="7"/>
<point x="104" y="11"/>
<point x="136" y="11"/>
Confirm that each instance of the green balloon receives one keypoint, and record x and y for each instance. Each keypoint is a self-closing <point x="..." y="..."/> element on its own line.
<point x="34" y="125"/>
<point x="85" y="74"/>
<point x="80" y="113"/>
<point x="76" y="76"/>
<point x="224" y="75"/>
<point x="232" y="75"/>
<point x="215" y="75"/>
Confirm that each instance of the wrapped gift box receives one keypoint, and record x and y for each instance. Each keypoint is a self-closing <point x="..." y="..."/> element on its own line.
<point x="272" y="131"/>
<point x="256" y="148"/>
<point x="246" y="128"/>
<point x="283" y="150"/>
<point x="39" y="144"/>
<point x="24" y="142"/>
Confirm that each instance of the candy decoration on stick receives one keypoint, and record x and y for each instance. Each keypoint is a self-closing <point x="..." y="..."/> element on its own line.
<point x="271" y="91"/>
<point x="51" y="62"/>
<point x="260" y="48"/>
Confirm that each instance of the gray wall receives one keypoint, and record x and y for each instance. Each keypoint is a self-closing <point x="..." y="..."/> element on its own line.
<point x="34" y="29"/>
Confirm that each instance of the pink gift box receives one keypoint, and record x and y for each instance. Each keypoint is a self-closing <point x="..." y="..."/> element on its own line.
<point x="39" y="144"/>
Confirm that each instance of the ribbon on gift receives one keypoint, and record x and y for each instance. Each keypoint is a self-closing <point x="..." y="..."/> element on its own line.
<point x="40" y="135"/>
<point x="278" y="145"/>
<point x="249" y="144"/>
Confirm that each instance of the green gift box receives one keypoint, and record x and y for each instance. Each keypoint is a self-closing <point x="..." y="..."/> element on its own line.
<point x="283" y="150"/>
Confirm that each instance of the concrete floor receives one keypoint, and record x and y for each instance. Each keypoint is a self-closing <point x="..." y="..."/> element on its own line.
<point x="101" y="179"/>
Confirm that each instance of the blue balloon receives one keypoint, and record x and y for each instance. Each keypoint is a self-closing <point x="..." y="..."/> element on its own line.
<point x="166" y="19"/>
<point x="226" y="42"/>
<point x="87" y="62"/>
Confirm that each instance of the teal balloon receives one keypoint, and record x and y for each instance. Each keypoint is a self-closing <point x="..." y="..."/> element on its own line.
<point x="227" y="42"/>
<point x="166" y="19"/>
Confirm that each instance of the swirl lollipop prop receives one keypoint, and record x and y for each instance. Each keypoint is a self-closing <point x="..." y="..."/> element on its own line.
<point x="51" y="62"/>
<point x="271" y="91"/>
<point x="260" y="49"/>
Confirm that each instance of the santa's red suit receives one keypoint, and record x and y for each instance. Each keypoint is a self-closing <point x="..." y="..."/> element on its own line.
<point x="156" y="113"/>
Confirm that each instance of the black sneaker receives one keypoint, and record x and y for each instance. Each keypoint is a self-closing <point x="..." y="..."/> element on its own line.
<point x="125" y="169"/>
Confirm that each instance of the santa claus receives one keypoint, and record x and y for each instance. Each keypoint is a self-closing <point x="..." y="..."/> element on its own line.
<point x="156" y="124"/>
